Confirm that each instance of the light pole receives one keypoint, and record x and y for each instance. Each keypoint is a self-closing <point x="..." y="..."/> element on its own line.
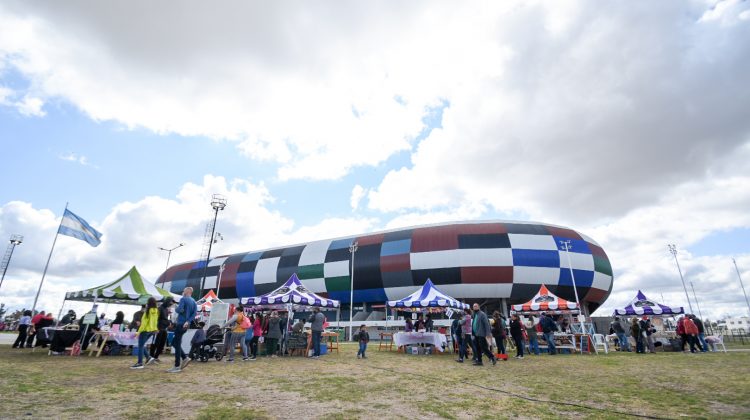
<point x="695" y="297"/>
<point x="352" y="249"/>
<point x="673" y="250"/>
<point x="169" y="253"/>
<point x="218" y="284"/>
<point x="743" y="286"/>
<point x="218" y="202"/>
<point x="14" y="240"/>
<point x="566" y="246"/>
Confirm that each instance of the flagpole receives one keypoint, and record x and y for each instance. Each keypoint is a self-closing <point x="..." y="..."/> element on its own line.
<point x="48" y="259"/>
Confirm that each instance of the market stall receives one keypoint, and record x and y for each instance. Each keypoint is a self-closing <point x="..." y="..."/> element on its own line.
<point x="641" y="305"/>
<point x="428" y="297"/>
<point x="291" y="297"/>
<point x="129" y="289"/>
<point x="551" y="304"/>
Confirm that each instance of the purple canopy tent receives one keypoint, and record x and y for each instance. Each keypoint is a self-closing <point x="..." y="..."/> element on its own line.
<point x="641" y="305"/>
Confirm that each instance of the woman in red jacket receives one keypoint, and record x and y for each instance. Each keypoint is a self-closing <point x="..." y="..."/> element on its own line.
<point x="681" y="332"/>
<point x="691" y="330"/>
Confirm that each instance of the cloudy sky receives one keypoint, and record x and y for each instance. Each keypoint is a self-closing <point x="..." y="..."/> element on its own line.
<point x="626" y="121"/>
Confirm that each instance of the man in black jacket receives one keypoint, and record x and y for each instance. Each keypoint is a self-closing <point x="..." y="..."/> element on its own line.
<point x="548" y="329"/>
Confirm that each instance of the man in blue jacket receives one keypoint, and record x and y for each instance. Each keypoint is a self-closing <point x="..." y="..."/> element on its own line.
<point x="186" y="311"/>
<point x="480" y="325"/>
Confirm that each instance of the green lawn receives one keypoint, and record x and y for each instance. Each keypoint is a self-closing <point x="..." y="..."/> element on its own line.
<point x="387" y="385"/>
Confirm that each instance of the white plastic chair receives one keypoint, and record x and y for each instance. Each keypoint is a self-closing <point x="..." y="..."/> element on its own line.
<point x="719" y="342"/>
<point x="601" y="341"/>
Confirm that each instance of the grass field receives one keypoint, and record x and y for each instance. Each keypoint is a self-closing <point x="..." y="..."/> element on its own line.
<point x="386" y="385"/>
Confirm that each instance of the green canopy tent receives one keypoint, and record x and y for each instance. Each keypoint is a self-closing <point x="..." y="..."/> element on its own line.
<point x="130" y="289"/>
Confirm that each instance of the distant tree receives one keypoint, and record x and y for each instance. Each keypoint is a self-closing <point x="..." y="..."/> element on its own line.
<point x="2" y="310"/>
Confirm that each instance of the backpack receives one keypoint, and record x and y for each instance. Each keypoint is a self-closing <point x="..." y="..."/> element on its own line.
<point x="245" y="324"/>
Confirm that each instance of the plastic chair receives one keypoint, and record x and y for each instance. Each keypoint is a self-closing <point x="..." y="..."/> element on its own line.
<point x="716" y="340"/>
<point x="601" y="341"/>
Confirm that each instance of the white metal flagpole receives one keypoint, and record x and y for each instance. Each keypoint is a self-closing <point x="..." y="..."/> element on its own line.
<point x="48" y="259"/>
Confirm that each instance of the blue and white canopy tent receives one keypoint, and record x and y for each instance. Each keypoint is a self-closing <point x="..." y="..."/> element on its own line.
<point x="293" y="293"/>
<point x="292" y="297"/>
<point x="428" y="296"/>
<point x="641" y="305"/>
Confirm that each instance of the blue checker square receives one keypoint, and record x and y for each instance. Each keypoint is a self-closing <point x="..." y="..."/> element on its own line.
<point x="395" y="247"/>
<point x="584" y="278"/>
<point x="576" y="245"/>
<point x="536" y="258"/>
<point x="245" y="284"/>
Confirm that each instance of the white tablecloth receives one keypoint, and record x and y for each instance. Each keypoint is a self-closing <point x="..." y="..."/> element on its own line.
<point x="124" y="338"/>
<point x="436" y="339"/>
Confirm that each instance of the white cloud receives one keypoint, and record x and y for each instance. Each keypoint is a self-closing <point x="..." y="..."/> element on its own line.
<point x="80" y="159"/>
<point x="358" y="192"/>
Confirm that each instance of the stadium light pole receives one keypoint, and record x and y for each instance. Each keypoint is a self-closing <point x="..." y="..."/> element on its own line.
<point x="742" y="285"/>
<point x="169" y="253"/>
<point x="14" y="240"/>
<point x="218" y="285"/>
<point x="218" y="202"/>
<point x="566" y="246"/>
<point x="673" y="250"/>
<point x="695" y="297"/>
<point x="352" y="249"/>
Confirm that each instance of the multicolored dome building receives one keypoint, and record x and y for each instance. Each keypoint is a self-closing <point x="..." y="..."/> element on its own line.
<point x="495" y="263"/>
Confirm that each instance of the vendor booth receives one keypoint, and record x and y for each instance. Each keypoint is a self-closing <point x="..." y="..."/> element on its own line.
<point x="641" y="306"/>
<point x="551" y="304"/>
<point x="293" y="297"/>
<point x="129" y="289"/>
<point x="428" y="297"/>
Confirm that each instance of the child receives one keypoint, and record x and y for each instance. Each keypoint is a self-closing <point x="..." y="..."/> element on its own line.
<point x="364" y="338"/>
<point x="198" y="339"/>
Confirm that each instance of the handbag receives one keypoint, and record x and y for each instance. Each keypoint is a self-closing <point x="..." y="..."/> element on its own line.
<point x="261" y="339"/>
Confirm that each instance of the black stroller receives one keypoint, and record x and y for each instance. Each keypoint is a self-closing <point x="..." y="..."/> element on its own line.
<point x="211" y="347"/>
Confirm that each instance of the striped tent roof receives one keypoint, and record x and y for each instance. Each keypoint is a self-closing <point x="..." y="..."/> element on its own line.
<point x="207" y="302"/>
<point x="428" y="296"/>
<point x="130" y="289"/>
<point x="641" y="305"/>
<point x="546" y="301"/>
<point x="292" y="292"/>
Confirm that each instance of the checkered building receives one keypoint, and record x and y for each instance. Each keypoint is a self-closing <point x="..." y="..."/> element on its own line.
<point x="471" y="261"/>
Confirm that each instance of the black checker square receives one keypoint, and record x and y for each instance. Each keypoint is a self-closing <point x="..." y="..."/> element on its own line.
<point x="236" y="258"/>
<point x="367" y="267"/>
<point x="398" y="235"/>
<point x="522" y="293"/>
<point x="295" y="250"/>
<point x="341" y="254"/>
<point x="450" y="275"/>
<point x="247" y="266"/>
<point x="397" y="279"/>
<point x="272" y="253"/>
<point x="228" y="292"/>
<point x="522" y="228"/>
<point x="483" y="241"/>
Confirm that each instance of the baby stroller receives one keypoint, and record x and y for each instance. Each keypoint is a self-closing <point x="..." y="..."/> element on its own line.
<point x="211" y="347"/>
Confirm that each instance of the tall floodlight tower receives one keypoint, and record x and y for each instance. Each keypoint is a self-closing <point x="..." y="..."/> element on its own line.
<point x="218" y="202"/>
<point x="14" y="240"/>
<point x="673" y="249"/>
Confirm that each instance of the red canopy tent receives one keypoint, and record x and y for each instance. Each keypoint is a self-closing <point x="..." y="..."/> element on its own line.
<point x="207" y="302"/>
<point x="546" y="301"/>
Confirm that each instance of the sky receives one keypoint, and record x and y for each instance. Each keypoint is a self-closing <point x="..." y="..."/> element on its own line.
<point x="627" y="122"/>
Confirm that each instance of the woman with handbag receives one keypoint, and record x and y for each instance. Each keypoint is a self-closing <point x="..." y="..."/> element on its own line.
<point x="257" y="335"/>
<point x="239" y="322"/>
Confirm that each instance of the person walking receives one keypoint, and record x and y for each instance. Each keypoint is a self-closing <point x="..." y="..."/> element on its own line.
<point x="238" y="323"/>
<point x="635" y="331"/>
<point x="149" y="325"/>
<point x="466" y="338"/>
<point x="548" y="331"/>
<point x="701" y="333"/>
<point x="516" y="332"/>
<point x="498" y="331"/>
<point x="482" y="335"/>
<point x="646" y="330"/>
<point x="257" y="334"/>
<point x="363" y="337"/>
<point x="186" y="311"/>
<point x="681" y="332"/>
<point x="316" y="321"/>
<point x="619" y="331"/>
<point x="456" y="333"/>
<point x="161" y="336"/>
<point x="31" y="333"/>
<point x="24" y="323"/>
<point x="249" y="337"/>
<point x="691" y="330"/>
<point x="273" y="334"/>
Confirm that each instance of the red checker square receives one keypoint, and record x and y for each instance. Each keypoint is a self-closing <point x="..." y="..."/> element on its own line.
<point x="595" y="250"/>
<point x="438" y="238"/>
<point x="595" y="295"/>
<point x="486" y="275"/>
<point x="394" y="263"/>
<point x="562" y="232"/>
<point x="371" y="239"/>
<point x="229" y="276"/>
<point x="481" y="228"/>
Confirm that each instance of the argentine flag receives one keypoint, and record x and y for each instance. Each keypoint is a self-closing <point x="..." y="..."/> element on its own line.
<point x="76" y="227"/>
